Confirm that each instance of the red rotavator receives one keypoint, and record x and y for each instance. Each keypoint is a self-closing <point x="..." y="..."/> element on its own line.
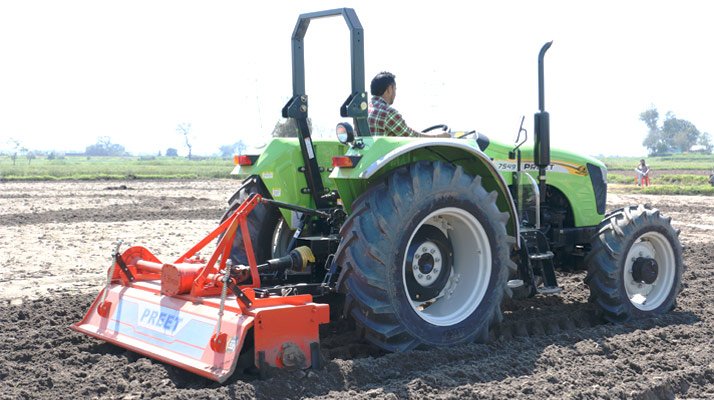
<point x="198" y="316"/>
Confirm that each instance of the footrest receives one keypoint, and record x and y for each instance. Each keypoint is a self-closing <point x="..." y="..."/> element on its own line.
<point x="515" y="283"/>
<point x="550" y="290"/>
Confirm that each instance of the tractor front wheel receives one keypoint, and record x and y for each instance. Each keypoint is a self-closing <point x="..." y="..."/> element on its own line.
<point x="425" y="258"/>
<point x="635" y="265"/>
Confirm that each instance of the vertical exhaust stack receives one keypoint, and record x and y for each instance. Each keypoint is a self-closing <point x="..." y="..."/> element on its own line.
<point x="541" y="149"/>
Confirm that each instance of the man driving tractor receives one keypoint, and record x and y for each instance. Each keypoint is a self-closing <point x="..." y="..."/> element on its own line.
<point x="385" y="120"/>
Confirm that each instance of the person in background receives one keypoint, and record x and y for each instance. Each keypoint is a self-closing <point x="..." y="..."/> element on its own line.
<point x="643" y="174"/>
<point x="385" y="120"/>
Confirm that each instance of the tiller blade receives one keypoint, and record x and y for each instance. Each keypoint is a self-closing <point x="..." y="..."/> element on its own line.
<point x="194" y="314"/>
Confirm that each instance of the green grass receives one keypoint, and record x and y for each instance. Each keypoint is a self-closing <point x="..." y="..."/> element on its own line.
<point x="83" y="168"/>
<point x="674" y="162"/>
<point x="679" y="190"/>
<point x="682" y="179"/>
<point x="666" y="179"/>
<point x="619" y="178"/>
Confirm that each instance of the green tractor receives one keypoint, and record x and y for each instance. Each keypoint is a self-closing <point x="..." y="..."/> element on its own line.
<point x="419" y="241"/>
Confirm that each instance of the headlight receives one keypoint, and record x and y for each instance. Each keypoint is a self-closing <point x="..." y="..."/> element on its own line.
<point x="345" y="133"/>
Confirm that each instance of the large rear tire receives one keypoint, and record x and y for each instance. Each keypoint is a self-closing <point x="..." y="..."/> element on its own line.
<point x="635" y="265"/>
<point x="425" y="258"/>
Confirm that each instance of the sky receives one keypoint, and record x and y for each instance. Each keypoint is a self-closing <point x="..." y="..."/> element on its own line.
<point x="72" y="71"/>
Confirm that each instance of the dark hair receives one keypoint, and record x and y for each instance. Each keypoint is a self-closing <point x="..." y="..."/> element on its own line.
<point x="381" y="82"/>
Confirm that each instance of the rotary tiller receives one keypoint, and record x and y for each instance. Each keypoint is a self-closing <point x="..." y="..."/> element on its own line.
<point x="202" y="316"/>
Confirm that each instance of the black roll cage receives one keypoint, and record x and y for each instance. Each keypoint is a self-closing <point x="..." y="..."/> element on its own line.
<point x="297" y="107"/>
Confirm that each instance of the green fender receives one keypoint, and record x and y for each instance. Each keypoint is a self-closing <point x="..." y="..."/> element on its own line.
<point x="381" y="155"/>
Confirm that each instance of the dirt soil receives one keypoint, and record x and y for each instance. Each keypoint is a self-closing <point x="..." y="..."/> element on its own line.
<point x="55" y="242"/>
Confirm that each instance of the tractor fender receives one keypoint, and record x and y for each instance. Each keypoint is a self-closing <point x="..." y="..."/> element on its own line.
<point x="433" y="144"/>
<point x="460" y="152"/>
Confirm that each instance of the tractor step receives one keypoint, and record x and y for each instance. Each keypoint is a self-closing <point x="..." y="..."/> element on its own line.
<point x="548" y="255"/>
<point x="538" y="259"/>
<point x="515" y="283"/>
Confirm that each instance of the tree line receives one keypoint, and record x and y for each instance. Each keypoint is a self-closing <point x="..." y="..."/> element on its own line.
<point x="104" y="147"/>
<point x="673" y="135"/>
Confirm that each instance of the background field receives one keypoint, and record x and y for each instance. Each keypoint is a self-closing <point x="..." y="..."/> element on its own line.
<point x="673" y="162"/>
<point x="677" y="174"/>
<point x="87" y="168"/>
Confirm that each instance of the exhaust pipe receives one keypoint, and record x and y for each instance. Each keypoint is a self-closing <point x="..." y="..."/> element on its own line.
<point x="541" y="149"/>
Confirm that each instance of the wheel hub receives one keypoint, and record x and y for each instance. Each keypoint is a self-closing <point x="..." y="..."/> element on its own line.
<point x="428" y="263"/>
<point x="650" y="271"/>
<point x="645" y="270"/>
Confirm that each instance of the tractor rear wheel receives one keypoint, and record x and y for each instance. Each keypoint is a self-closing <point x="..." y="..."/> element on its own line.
<point x="635" y="265"/>
<point x="269" y="233"/>
<point x="425" y="258"/>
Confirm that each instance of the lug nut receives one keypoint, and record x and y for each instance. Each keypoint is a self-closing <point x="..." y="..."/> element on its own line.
<point x="420" y="276"/>
<point x="428" y="277"/>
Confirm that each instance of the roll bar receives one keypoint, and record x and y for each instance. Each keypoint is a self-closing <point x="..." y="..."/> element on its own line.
<point x="355" y="106"/>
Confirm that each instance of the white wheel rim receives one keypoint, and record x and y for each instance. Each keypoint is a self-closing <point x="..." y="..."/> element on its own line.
<point x="643" y="296"/>
<point x="470" y="272"/>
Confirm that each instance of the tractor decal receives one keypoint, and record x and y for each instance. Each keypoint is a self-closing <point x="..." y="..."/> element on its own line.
<point x="556" y="166"/>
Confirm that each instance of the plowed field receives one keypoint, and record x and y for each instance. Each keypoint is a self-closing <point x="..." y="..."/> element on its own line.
<point x="55" y="242"/>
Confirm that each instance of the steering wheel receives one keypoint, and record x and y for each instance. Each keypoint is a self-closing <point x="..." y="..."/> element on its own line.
<point x="443" y="127"/>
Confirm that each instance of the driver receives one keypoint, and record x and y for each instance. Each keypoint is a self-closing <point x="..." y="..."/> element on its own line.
<point x="385" y="120"/>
